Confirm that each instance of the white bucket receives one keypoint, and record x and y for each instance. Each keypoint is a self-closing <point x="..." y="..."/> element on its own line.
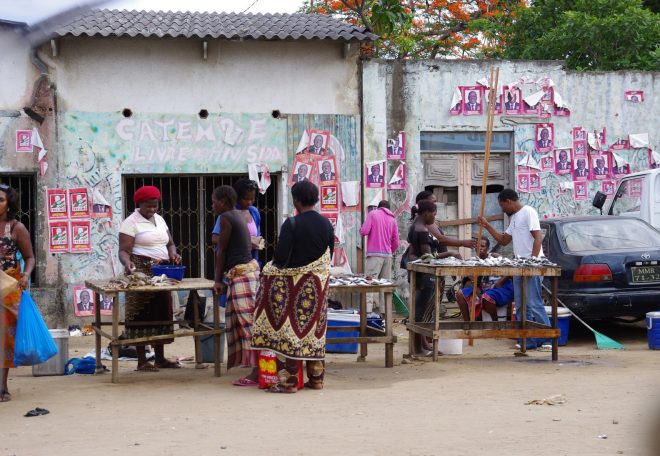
<point x="501" y="314"/>
<point x="450" y="346"/>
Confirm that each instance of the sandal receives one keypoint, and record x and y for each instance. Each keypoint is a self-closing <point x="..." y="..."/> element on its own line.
<point x="244" y="382"/>
<point x="37" y="412"/>
<point x="167" y="364"/>
<point x="5" y="396"/>
<point x="147" y="367"/>
<point x="313" y="386"/>
<point x="282" y="389"/>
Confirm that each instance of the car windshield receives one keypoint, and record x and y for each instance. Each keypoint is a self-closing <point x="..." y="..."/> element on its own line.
<point x="615" y="234"/>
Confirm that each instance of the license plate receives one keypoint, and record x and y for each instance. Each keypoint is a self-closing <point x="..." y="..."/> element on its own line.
<point x="645" y="274"/>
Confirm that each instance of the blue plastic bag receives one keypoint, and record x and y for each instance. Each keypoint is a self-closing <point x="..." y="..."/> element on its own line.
<point x="86" y="365"/>
<point x="34" y="344"/>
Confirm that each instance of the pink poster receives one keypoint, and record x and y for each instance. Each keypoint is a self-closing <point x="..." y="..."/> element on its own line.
<point x="580" y="191"/>
<point x="23" y="140"/>
<point x="375" y="174"/>
<point x="329" y="198"/>
<point x="58" y="237"/>
<point x="396" y="148"/>
<point x="544" y="137"/>
<point x="512" y="98"/>
<point x="398" y="180"/>
<point x="534" y="183"/>
<point x="634" y="96"/>
<point x="563" y="161"/>
<point x="523" y="183"/>
<point x="620" y="144"/>
<point x="653" y="163"/>
<point x="318" y="142"/>
<point x="57" y="207"/>
<point x="327" y="169"/>
<point x="580" y="148"/>
<point x="79" y="206"/>
<point x="579" y="134"/>
<point x="81" y="237"/>
<point x="562" y="112"/>
<point x="607" y="187"/>
<point x="548" y="163"/>
<point x="303" y="166"/>
<point x="472" y="100"/>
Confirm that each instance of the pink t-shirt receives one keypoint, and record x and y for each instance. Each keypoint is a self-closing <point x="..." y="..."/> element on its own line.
<point x="151" y="236"/>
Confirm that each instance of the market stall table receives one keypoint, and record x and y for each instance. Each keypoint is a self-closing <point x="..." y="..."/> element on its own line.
<point x="481" y="329"/>
<point x="368" y="335"/>
<point x="199" y="329"/>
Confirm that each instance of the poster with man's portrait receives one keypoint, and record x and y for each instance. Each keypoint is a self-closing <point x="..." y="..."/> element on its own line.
<point x="511" y="98"/>
<point x="318" y="142"/>
<point x="548" y="163"/>
<point x="375" y="174"/>
<point x="472" y="100"/>
<point x="81" y="238"/>
<point x="106" y="304"/>
<point x="544" y="137"/>
<point x="327" y="170"/>
<point x="23" y="140"/>
<point x="398" y="179"/>
<point x="563" y="161"/>
<point x="634" y="96"/>
<point x="580" y="148"/>
<point x="580" y="191"/>
<point x="562" y="111"/>
<point x="620" y="170"/>
<point x="522" y="183"/>
<point x="303" y="165"/>
<point x="83" y="301"/>
<point x="396" y="148"/>
<point x="600" y="166"/>
<point x="581" y="170"/>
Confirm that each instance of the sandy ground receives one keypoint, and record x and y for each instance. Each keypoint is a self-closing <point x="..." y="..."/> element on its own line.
<point x="472" y="404"/>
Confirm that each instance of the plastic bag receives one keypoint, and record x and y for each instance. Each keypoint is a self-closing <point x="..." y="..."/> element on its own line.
<point x="86" y="365"/>
<point x="34" y="344"/>
<point x="272" y="371"/>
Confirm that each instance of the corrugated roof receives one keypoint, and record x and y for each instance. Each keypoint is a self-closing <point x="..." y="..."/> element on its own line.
<point x="230" y="26"/>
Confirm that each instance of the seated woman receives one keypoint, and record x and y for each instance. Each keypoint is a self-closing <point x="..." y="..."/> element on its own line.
<point x="492" y="292"/>
<point x="291" y="315"/>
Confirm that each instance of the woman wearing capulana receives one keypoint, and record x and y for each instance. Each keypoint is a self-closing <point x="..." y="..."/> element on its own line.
<point x="291" y="314"/>
<point x="145" y="241"/>
<point x="14" y="237"/>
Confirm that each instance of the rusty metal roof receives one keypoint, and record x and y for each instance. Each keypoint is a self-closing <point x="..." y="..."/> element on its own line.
<point x="229" y="26"/>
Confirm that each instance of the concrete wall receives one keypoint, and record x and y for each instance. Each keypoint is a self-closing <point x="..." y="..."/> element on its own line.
<point x="169" y="75"/>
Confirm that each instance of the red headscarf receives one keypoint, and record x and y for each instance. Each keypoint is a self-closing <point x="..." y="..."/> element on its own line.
<point x="146" y="192"/>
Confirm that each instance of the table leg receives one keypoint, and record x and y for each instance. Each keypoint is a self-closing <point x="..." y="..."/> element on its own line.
<point x="523" y="310"/>
<point x="389" y="347"/>
<point x="115" y="338"/>
<point x="97" y="324"/>
<point x="192" y="300"/>
<point x="363" y="326"/>
<point x="216" y="337"/>
<point x="555" y="341"/>
<point x="411" y="312"/>
<point x="439" y="289"/>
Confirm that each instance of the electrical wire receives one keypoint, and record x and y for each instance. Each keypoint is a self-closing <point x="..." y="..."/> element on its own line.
<point x="253" y="3"/>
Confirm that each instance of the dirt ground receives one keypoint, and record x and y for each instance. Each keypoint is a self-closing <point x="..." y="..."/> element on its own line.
<point x="470" y="404"/>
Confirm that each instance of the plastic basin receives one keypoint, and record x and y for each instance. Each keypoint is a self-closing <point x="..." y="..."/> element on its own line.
<point x="171" y="271"/>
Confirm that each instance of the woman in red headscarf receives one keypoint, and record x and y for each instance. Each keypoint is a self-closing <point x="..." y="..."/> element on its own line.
<point x="145" y="240"/>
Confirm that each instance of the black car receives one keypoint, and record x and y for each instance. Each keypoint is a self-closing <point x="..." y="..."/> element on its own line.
<point x="610" y="265"/>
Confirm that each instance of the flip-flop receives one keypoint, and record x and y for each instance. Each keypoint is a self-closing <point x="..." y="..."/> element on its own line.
<point x="37" y="412"/>
<point x="5" y="396"/>
<point x="148" y="367"/>
<point x="281" y="389"/>
<point x="168" y="365"/>
<point x="244" y="382"/>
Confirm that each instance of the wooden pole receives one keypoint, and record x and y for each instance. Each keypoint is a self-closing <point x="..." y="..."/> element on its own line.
<point x="492" y="99"/>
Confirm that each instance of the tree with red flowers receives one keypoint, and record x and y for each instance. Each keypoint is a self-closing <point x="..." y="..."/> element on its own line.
<point x="428" y="28"/>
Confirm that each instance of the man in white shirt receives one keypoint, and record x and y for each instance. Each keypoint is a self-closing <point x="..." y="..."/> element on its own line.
<point x="525" y="231"/>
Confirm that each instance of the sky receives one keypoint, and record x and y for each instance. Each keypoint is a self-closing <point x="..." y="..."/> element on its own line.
<point x="31" y="11"/>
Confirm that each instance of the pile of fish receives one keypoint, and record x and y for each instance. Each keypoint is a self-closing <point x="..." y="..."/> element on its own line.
<point x="516" y="262"/>
<point x="139" y="279"/>
<point x="354" y="280"/>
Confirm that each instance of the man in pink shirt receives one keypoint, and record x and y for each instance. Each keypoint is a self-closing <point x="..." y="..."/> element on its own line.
<point x="382" y="241"/>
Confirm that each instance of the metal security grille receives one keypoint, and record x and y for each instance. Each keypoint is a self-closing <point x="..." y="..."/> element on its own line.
<point x="186" y="207"/>
<point x="25" y="185"/>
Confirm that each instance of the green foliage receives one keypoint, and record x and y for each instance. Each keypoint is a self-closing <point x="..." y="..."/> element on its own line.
<point x="588" y="34"/>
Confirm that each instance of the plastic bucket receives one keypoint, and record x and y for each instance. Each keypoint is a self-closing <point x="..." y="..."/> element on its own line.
<point x="653" y="329"/>
<point x="342" y="318"/>
<point x="501" y="314"/>
<point x="207" y="347"/>
<point x="171" y="271"/>
<point x="563" y="323"/>
<point x="55" y="365"/>
<point x="450" y="346"/>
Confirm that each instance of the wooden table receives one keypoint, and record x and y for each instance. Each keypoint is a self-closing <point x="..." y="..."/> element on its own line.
<point x="481" y="329"/>
<point x="368" y="335"/>
<point x="199" y="329"/>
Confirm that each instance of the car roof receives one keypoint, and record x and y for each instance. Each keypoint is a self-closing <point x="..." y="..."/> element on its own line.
<point x="584" y="218"/>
